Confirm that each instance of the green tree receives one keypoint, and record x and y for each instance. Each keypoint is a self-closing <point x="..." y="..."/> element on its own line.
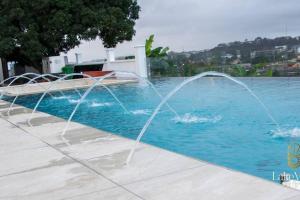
<point x="31" y="30"/>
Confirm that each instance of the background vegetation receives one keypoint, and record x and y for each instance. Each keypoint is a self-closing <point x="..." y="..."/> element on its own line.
<point x="260" y="57"/>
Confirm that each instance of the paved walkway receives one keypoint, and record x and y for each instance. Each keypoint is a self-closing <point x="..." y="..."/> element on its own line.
<point x="37" y="165"/>
<point x="60" y="85"/>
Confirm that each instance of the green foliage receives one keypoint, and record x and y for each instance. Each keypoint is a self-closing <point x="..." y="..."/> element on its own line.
<point x="31" y="30"/>
<point x="68" y="69"/>
<point x="157" y="52"/>
<point x="260" y="65"/>
<point x="148" y="45"/>
<point x="269" y="73"/>
<point x="239" y="71"/>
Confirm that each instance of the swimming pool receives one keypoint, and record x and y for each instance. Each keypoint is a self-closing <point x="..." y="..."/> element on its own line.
<point x="220" y="121"/>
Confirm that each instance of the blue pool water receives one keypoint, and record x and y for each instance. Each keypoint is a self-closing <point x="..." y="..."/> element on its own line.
<point x="220" y="121"/>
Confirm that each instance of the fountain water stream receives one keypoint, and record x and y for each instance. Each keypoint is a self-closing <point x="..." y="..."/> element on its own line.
<point x="3" y="82"/>
<point x="15" y="78"/>
<point x="99" y="81"/>
<point x="174" y="91"/>
<point x="63" y="78"/>
<point x="43" y="76"/>
<point x="23" y="77"/>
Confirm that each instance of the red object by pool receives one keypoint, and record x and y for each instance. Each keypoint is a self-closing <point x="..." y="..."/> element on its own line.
<point x="96" y="73"/>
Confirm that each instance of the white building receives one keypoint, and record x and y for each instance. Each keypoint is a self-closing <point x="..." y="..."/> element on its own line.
<point x="136" y="65"/>
<point x="281" y="48"/>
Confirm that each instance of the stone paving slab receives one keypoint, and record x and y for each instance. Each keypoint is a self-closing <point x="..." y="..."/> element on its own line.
<point x="53" y="183"/>
<point x="11" y="140"/>
<point x="114" y="194"/>
<point x="93" y="166"/>
<point x="209" y="182"/>
<point x="44" y="173"/>
<point x="294" y="198"/>
<point x="29" y="159"/>
<point x="105" y="147"/>
<point x="148" y="162"/>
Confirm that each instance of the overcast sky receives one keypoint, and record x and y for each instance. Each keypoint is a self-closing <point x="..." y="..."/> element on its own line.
<point x="201" y="24"/>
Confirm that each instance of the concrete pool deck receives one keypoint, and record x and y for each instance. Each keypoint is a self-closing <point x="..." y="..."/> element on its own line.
<point x="61" y="85"/>
<point x="36" y="164"/>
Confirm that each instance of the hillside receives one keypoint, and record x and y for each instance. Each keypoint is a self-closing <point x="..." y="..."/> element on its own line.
<point x="262" y="56"/>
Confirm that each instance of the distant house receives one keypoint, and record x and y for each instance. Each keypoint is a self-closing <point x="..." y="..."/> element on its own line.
<point x="281" y="48"/>
<point x="296" y="49"/>
<point x="236" y="61"/>
<point x="227" y="56"/>
<point x="264" y="53"/>
<point x="294" y="64"/>
<point x="238" y="54"/>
